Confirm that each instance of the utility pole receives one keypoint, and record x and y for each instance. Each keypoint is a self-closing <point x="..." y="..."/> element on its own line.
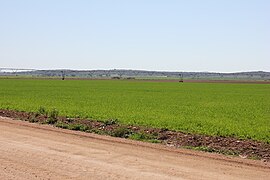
<point x="181" y="77"/>
<point x="63" y="75"/>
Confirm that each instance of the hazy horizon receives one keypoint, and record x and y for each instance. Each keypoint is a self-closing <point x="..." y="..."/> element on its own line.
<point x="188" y="36"/>
<point x="57" y="69"/>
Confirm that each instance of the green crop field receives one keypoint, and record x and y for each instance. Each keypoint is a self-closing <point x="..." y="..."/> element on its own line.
<point x="241" y="110"/>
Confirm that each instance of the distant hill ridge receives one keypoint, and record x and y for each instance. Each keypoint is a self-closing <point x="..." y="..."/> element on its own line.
<point x="122" y="73"/>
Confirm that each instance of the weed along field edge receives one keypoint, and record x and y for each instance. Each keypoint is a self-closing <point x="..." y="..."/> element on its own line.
<point x="226" y="118"/>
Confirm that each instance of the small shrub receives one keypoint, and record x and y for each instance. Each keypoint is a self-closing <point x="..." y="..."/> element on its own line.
<point x="137" y="136"/>
<point x="144" y="137"/>
<point x="53" y="115"/>
<point x="51" y="121"/>
<point x="42" y="111"/>
<point x="205" y="149"/>
<point x="154" y="141"/>
<point x="121" y="132"/>
<point x="33" y="120"/>
<point x="78" y="127"/>
<point x="62" y="125"/>
<point x="155" y="134"/>
<point x="70" y="120"/>
<point x="110" y="122"/>
<point x="36" y="114"/>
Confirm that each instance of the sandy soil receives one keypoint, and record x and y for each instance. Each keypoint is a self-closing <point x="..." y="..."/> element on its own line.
<point x="33" y="151"/>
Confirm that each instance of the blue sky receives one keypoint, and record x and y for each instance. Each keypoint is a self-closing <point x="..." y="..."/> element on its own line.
<point x="181" y="35"/>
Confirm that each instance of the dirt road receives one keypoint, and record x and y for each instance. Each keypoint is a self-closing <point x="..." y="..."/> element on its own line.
<point x="33" y="151"/>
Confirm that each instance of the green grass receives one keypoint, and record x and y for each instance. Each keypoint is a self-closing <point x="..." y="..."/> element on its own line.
<point x="241" y="110"/>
